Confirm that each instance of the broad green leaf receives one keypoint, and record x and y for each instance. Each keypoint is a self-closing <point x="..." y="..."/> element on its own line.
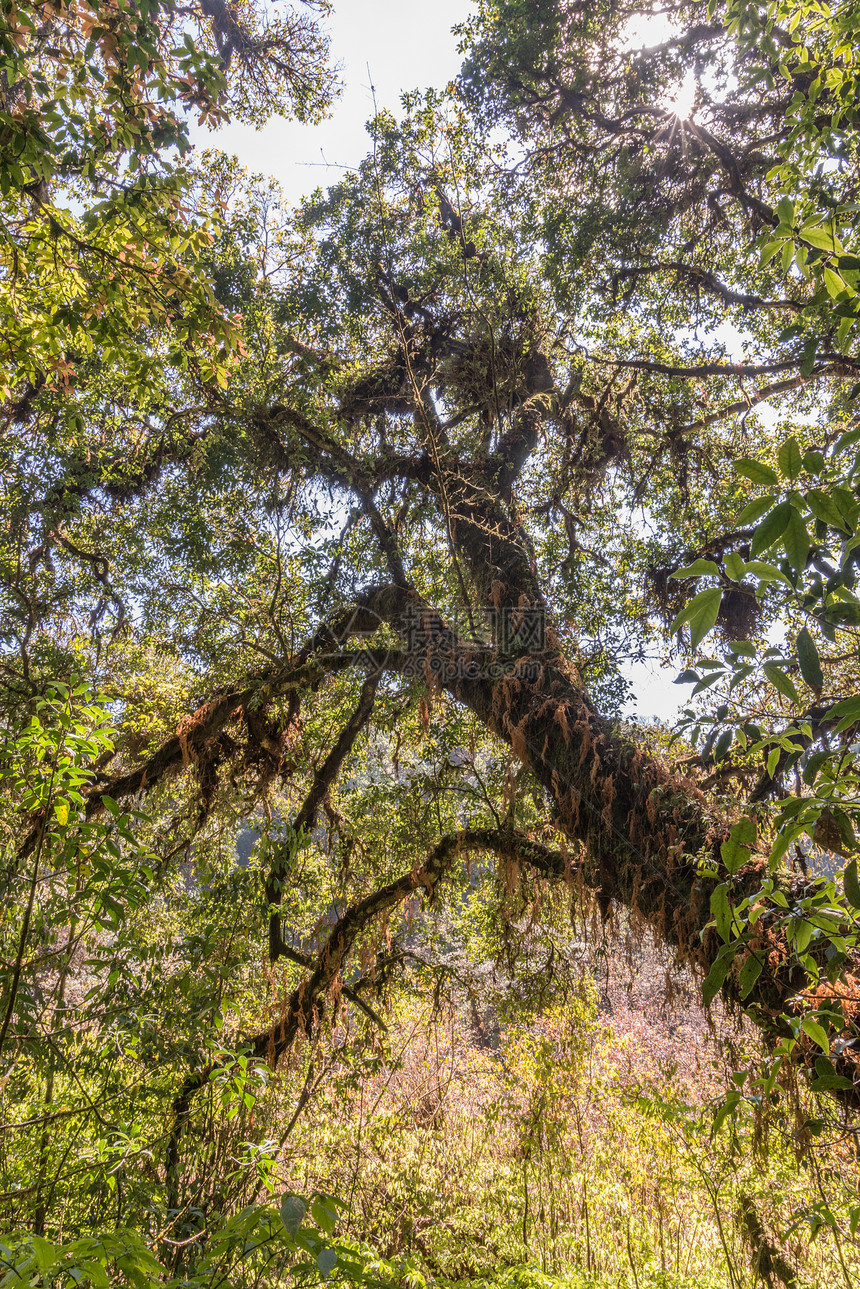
<point x="771" y="527"/>
<point x="802" y="935"/>
<point x="47" y="1254"/>
<point x="818" y="237"/>
<point x="769" y="250"/>
<point x="851" y="883"/>
<point x="753" y="512"/>
<point x="715" y="978"/>
<point x="789" y="458"/>
<point x="292" y="1211"/>
<point x="325" y="1215"/>
<point x="847" y="614"/>
<point x="813" y="765"/>
<point x="830" y="1083"/>
<point x="780" y="681"/>
<point x="749" y="974"/>
<point x="698" y="568"/>
<point x="736" y="850"/>
<point x="846" y="441"/>
<point x="326" y="1261"/>
<point x="810" y="663"/>
<point x="735" y="566"/>
<point x="834" y="283"/>
<point x="848" y="504"/>
<point x="756" y="471"/>
<point x="846" y="707"/>
<point x="796" y="541"/>
<point x="824" y="507"/>
<point x="766" y="572"/>
<point x="816" y="1032"/>
<point x="785" y="210"/>
<point x="729" y="1106"/>
<point x="721" y="911"/>
<point x="704" y="610"/>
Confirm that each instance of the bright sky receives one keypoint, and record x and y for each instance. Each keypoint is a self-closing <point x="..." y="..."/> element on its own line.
<point x="406" y="46"/>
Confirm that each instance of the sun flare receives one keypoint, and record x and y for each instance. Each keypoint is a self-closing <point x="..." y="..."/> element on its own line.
<point x="681" y="101"/>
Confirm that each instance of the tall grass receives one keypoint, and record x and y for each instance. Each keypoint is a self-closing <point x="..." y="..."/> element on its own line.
<point x="578" y="1145"/>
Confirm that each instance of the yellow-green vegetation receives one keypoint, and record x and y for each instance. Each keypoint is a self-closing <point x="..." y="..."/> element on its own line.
<point x="352" y="929"/>
<point x="572" y="1146"/>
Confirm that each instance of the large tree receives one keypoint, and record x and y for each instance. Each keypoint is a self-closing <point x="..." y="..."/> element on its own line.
<point x="375" y="591"/>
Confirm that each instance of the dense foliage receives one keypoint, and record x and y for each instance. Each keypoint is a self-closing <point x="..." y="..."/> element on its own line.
<point x="332" y="533"/>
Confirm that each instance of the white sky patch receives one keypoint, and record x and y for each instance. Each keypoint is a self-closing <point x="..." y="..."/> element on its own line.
<point x="655" y="697"/>
<point x="405" y="47"/>
<point x="645" y="30"/>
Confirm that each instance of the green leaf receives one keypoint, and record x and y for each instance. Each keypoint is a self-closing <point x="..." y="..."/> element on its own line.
<point x="848" y="504"/>
<point x="750" y="972"/>
<point x="736" y="850"/>
<point x="95" y="1272"/>
<point x="796" y="541"/>
<point x="769" y="250"/>
<point x="818" y="237"/>
<point x="292" y="1211"/>
<point x="735" y="566"/>
<point x="846" y="707"/>
<point x="721" y="911"/>
<point x="830" y="1083"/>
<point x="752" y="513"/>
<point x="325" y="1215"/>
<point x="704" y="610"/>
<point x="326" y="1261"/>
<point x="810" y="349"/>
<point x="823" y="507"/>
<point x="816" y="1032"/>
<point x="47" y="1254"/>
<point x="780" y="681"/>
<point x="698" y="568"/>
<point x="813" y="765"/>
<point x="834" y="283"/>
<point x="852" y="436"/>
<point x="851" y="883"/>
<point x="766" y="572"/>
<point x="715" y="978"/>
<point x="810" y="663"/>
<point x="847" y="614"/>
<point x="771" y="527"/>
<point x="802" y="935"/>
<point x="756" y="471"/>
<point x="785" y="210"/>
<point x="790" y="458"/>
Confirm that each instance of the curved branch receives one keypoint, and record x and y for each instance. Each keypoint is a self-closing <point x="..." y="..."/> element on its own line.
<point x="305" y="1005"/>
